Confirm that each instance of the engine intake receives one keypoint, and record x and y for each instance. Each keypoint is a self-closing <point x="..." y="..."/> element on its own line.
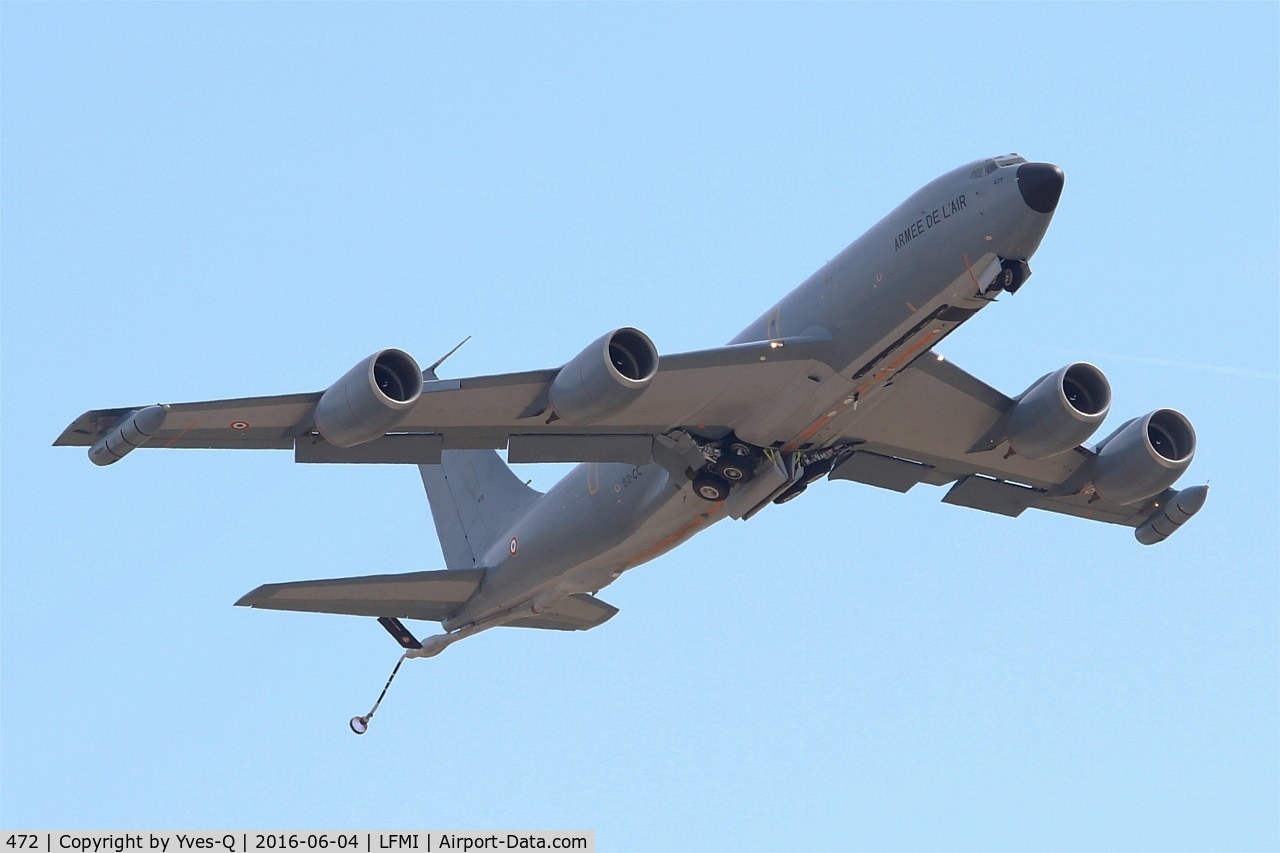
<point x="1144" y="457"/>
<point x="369" y="399"/>
<point x="605" y="378"/>
<point x="1059" y="411"/>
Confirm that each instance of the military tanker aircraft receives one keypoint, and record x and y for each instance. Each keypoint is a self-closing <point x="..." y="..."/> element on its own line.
<point x="838" y="380"/>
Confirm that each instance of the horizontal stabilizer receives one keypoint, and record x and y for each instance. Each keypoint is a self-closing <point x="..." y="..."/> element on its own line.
<point x="577" y="612"/>
<point x="430" y="596"/>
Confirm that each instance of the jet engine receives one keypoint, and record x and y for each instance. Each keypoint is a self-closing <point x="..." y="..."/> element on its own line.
<point x="1059" y="411"/>
<point x="1144" y="457"/>
<point x="369" y="399"/>
<point x="605" y="378"/>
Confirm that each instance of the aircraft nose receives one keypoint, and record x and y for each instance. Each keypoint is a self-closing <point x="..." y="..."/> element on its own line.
<point x="1040" y="185"/>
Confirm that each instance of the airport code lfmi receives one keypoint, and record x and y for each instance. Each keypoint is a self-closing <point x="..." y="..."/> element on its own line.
<point x="252" y="842"/>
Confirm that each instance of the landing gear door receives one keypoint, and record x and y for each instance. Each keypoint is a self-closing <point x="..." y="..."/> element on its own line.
<point x="775" y="475"/>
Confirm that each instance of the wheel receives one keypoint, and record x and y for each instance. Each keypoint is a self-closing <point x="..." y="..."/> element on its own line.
<point x="741" y="449"/>
<point x="1018" y="272"/>
<point x="732" y="470"/>
<point x="1004" y="279"/>
<point x="710" y="487"/>
<point x="1022" y="272"/>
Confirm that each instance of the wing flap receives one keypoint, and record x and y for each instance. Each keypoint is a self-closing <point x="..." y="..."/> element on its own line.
<point x="391" y="449"/>
<point x="430" y="596"/>
<point x="998" y="496"/>
<point x="636" y="449"/>
<point x="885" y="472"/>
<point x="1097" y="509"/>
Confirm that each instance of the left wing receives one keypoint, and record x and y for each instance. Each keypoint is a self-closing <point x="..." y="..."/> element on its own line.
<point x="939" y="425"/>
<point x="719" y="387"/>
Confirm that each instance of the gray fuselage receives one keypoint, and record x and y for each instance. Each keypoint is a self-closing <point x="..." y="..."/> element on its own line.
<point x="888" y="298"/>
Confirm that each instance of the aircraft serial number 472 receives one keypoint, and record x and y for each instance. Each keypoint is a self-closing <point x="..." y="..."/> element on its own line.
<point x="837" y="380"/>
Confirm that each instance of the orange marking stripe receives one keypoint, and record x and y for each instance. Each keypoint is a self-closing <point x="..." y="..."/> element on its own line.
<point x="972" y="277"/>
<point x="185" y="430"/>
<point x="907" y="354"/>
<point x="674" y="537"/>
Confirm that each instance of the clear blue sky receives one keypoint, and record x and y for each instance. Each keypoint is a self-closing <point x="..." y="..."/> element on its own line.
<point x="215" y="200"/>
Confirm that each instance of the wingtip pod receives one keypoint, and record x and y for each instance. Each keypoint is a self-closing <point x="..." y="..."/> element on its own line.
<point x="1166" y="520"/>
<point x="133" y="430"/>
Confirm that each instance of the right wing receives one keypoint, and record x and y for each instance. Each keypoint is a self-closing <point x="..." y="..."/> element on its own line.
<point x="726" y="387"/>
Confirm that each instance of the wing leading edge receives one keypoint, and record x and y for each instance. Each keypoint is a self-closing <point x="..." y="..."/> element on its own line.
<point x="716" y="388"/>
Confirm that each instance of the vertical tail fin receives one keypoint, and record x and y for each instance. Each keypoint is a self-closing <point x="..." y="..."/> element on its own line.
<point x="474" y="499"/>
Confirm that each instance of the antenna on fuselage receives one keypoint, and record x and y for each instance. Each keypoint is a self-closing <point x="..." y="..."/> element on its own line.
<point x="430" y="372"/>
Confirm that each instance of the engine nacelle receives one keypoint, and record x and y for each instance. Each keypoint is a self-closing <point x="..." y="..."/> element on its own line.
<point x="1144" y="457"/>
<point x="369" y="399"/>
<point x="1059" y="411"/>
<point x="604" y="378"/>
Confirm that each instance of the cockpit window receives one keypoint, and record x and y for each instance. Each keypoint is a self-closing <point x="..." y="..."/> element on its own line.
<point x="989" y="166"/>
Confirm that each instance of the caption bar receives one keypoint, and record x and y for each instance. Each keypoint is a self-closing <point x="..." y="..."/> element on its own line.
<point x="274" y="842"/>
